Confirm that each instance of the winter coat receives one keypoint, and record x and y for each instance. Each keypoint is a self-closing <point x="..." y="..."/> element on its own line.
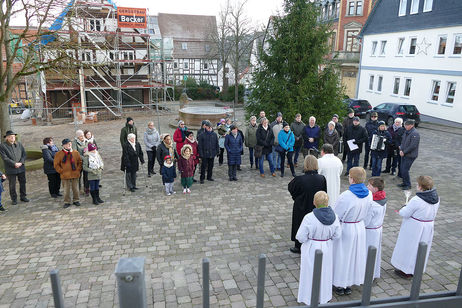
<point x="276" y="127"/>
<point x="371" y="127"/>
<point x="251" y="136"/>
<point x="311" y="132"/>
<point x="358" y="133"/>
<point x="48" y="154"/>
<point x="93" y="174"/>
<point x="179" y="137"/>
<point x="130" y="157"/>
<point x="12" y="154"/>
<point x="386" y="134"/>
<point x="302" y="189"/>
<point x="347" y="122"/>
<point x="410" y="143"/>
<point x="168" y="174"/>
<point x="151" y="140"/>
<point x="286" y="140"/>
<point x="195" y="152"/>
<point x="207" y="145"/>
<point x="233" y="146"/>
<point x="125" y="131"/>
<point x="297" y="129"/>
<point x="265" y="138"/>
<point x="222" y="131"/>
<point x="186" y="166"/>
<point x="199" y="132"/>
<point x="64" y="168"/>
<point x="396" y="136"/>
<point x="163" y="151"/>
<point x="79" y="146"/>
<point x="333" y="139"/>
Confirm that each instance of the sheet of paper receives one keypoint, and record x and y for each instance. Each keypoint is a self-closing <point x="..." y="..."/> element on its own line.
<point x="351" y="145"/>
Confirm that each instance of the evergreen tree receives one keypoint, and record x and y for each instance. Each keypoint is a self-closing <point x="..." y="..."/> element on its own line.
<point x="295" y="74"/>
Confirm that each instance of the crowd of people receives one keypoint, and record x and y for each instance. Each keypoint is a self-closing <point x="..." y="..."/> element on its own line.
<point x="341" y="225"/>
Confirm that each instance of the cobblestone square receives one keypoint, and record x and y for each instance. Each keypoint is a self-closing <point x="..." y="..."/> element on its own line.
<point x="231" y="223"/>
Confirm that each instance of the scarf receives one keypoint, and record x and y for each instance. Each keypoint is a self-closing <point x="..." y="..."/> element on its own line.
<point x="330" y="132"/>
<point x="191" y="141"/>
<point x="71" y="159"/>
<point x="91" y="140"/>
<point x="170" y="149"/>
<point x="379" y="195"/>
<point x="53" y="148"/>
<point x="360" y="190"/>
<point x="395" y="127"/>
<point x="94" y="161"/>
<point x="234" y="134"/>
<point x="150" y="131"/>
<point x="133" y="145"/>
<point x="168" y="165"/>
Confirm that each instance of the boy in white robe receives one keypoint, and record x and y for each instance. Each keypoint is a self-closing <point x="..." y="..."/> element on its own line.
<point x="317" y="231"/>
<point x="374" y="219"/>
<point x="350" y="251"/>
<point x="418" y="219"/>
<point x="331" y="167"/>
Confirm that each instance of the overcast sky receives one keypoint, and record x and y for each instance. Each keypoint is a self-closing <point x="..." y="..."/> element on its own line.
<point x="257" y="10"/>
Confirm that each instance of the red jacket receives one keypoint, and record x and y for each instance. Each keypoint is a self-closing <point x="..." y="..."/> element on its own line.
<point x="195" y="153"/>
<point x="186" y="166"/>
<point x="178" y="138"/>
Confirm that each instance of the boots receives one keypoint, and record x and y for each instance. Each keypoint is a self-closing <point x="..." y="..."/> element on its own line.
<point x="93" y="197"/>
<point x="97" y="197"/>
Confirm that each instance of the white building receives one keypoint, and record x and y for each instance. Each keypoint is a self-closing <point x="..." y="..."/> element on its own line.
<point x="412" y="53"/>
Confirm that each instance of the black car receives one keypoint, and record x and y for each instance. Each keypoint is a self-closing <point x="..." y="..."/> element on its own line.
<point x="360" y="106"/>
<point x="388" y="112"/>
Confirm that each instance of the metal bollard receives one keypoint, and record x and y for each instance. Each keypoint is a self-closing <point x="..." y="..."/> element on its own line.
<point x="205" y="283"/>
<point x="56" y="288"/>
<point x="459" y="285"/>
<point x="261" y="280"/>
<point x="316" y="284"/>
<point x="418" y="271"/>
<point x="369" y="276"/>
<point x="131" y="285"/>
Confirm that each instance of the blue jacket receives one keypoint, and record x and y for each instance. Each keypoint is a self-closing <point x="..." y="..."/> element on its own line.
<point x="1" y="183"/>
<point x="286" y="140"/>
<point x="168" y="174"/>
<point x="48" y="154"/>
<point x="311" y="132"/>
<point x="207" y="144"/>
<point x="410" y="143"/>
<point x="233" y="146"/>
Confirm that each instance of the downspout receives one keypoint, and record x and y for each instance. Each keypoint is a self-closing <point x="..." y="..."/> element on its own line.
<point x="359" y="68"/>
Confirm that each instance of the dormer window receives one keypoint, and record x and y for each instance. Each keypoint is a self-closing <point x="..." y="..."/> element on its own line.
<point x="402" y="7"/>
<point x="184" y="46"/>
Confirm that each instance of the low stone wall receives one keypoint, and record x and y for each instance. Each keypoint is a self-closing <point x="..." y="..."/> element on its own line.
<point x="34" y="161"/>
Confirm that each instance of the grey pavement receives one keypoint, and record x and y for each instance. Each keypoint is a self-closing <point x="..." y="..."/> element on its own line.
<point x="231" y="223"/>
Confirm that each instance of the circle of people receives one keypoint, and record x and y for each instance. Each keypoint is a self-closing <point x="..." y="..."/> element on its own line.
<point x="342" y="225"/>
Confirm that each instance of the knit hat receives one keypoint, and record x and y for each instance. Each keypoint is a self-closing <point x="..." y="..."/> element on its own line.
<point x="356" y="119"/>
<point x="180" y="122"/>
<point x="66" y="141"/>
<point x="129" y="119"/>
<point x="208" y="124"/>
<point x="167" y="157"/>
<point x="350" y="110"/>
<point x="335" y="115"/>
<point x="284" y="124"/>
<point x="381" y="123"/>
<point x="374" y="114"/>
<point x="91" y="147"/>
<point x="279" y="114"/>
<point x="203" y="122"/>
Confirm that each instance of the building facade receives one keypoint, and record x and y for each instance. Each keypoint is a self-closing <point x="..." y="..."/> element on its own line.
<point x="412" y="53"/>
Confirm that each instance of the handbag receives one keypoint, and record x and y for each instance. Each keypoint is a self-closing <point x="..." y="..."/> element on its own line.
<point x="258" y="151"/>
<point x="280" y="149"/>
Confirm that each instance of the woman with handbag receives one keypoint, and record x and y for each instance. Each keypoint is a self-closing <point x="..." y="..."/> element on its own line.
<point x="285" y="147"/>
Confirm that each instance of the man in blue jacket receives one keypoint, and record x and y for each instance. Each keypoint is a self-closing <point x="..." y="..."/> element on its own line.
<point x="311" y="135"/>
<point x="409" y="150"/>
<point x="208" y="148"/>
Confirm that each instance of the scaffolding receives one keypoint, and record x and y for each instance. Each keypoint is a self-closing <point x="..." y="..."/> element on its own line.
<point x="119" y="67"/>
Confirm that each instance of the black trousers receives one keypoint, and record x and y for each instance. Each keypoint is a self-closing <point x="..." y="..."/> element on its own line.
<point x="289" y="158"/>
<point x="84" y="177"/>
<point x="346" y="149"/>
<point x="220" y="155"/>
<point x="151" y="160"/>
<point x="367" y="151"/>
<point x="130" y="178"/>
<point x="207" y="163"/>
<point x="12" y="185"/>
<point x="54" y="183"/>
<point x="232" y="171"/>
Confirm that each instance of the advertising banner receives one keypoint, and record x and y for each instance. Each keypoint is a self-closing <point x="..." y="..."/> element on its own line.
<point x="131" y="17"/>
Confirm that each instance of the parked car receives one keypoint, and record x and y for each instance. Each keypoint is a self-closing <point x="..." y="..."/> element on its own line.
<point x="360" y="106"/>
<point x="388" y="112"/>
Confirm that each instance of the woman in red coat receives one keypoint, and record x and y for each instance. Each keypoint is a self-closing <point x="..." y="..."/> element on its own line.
<point x="193" y="143"/>
<point x="179" y="136"/>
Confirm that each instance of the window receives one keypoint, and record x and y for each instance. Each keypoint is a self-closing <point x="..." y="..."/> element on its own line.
<point x="95" y="24"/>
<point x="86" y="56"/>
<point x="402" y="7"/>
<point x="442" y="45"/>
<point x="382" y="47"/>
<point x="457" y="44"/>
<point x="175" y="65"/>
<point x="428" y="4"/>
<point x="337" y="9"/>
<point x="355" y="8"/>
<point x="352" y="40"/>
<point x="400" y="45"/>
<point x="359" y="7"/>
<point x="435" y="90"/>
<point x="207" y="48"/>
<point x="331" y="10"/>
<point x="415" y="6"/>
<point x="186" y="65"/>
<point x="451" y="92"/>
<point x="374" y="47"/>
<point x="412" y="46"/>
<point x="184" y="46"/>
<point x="206" y="66"/>
<point x="379" y="84"/>
<point x="407" y="86"/>
<point x="371" y="82"/>
<point x="351" y="8"/>
<point x="396" y="85"/>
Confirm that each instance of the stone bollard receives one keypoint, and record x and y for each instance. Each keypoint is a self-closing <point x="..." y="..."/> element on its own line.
<point x="131" y="285"/>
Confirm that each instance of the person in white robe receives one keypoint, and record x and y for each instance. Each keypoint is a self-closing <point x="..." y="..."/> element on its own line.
<point x="317" y="231"/>
<point x="374" y="219"/>
<point x="417" y="226"/>
<point x="350" y="251"/>
<point x="331" y="167"/>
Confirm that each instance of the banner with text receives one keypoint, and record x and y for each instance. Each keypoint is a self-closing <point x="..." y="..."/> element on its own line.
<point x="131" y="17"/>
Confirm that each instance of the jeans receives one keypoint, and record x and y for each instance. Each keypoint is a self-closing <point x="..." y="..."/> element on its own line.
<point x="54" y="183"/>
<point x="130" y="179"/>
<point x="406" y="163"/>
<point x="207" y="163"/>
<point x="367" y="152"/>
<point x="232" y="171"/>
<point x="296" y="153"/>
<point x="12" y="185"/>
<point x="376" y="162"/>
<point x="269" y="158"/>
<point x="251" y="157"/>
<point x="169" y="188"/>
<point x="276" y="158"/>
<point x="151" y="159"/>
<point x="68" y="185"/>
<point x="94" y="185"/>
<point x="289" y="159"/>
<point x="353" y="160"/>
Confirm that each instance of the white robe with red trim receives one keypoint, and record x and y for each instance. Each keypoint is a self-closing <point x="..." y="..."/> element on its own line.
<point x="373" y="223"/>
